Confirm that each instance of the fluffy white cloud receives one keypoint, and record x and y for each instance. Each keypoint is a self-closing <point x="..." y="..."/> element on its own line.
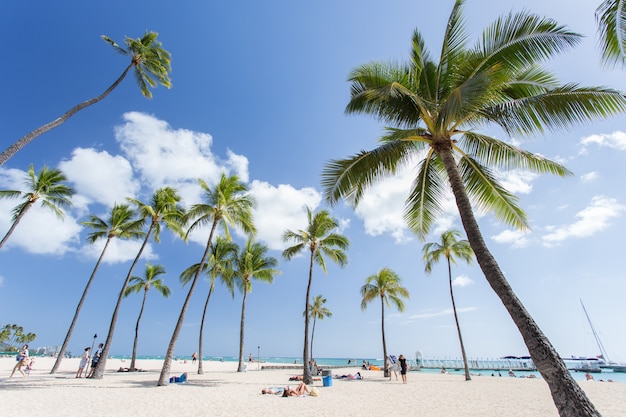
<point x="462" y="281"/>
<point x="615" y="140"/>
<point x="118" y="251"/>
<point x="589" y="177"/>
<point x="592" y="219"/>
<point x="517" y="182"/>
<point x="516" y="238"/>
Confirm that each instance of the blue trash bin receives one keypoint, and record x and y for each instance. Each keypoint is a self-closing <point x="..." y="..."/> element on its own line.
<point x="327" y="381"/>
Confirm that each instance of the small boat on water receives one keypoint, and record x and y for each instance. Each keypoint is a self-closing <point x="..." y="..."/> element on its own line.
<point x="603" y="361"/>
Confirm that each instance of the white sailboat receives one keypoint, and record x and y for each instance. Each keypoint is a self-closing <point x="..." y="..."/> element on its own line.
<point x="605" y="363"/>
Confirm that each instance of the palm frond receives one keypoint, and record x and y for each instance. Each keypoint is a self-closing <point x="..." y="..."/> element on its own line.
<point x="611" y="19"/>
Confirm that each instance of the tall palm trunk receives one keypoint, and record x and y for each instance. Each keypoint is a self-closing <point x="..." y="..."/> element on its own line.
<point x="313" y="335"/>
<point x="569" y="398"/>
<point x="61" y="352"/>
<point x="167" y="363"/>
<point x="101" y="365"/>
<point x="240" y="367"/>
<point x="25" y="140"/>
<point x="134" y="357"/>
<point x="17" y="220"/>
<point x="458" y="326"/>
<point x="306" y="370"/>
<point x="206" y="305"/>
<point x="382" y="328"/>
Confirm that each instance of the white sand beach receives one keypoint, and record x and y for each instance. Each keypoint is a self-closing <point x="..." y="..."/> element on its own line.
<point x="221" y="391"/>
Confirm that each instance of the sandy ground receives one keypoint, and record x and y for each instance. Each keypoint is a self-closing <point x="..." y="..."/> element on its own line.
<point x="221" y="391"/>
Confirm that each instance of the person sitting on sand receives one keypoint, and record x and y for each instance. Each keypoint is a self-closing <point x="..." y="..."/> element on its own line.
<point x="349" y="376"/>
<point x="511" y="373"/>
<point x="301" y="389"/>
<point x="589" y="377"/>
<point x="275" y="390"/>
<point x="179" y="379"/>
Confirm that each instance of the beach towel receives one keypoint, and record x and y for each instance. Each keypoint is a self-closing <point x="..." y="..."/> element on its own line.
<point x="179" y="379"/>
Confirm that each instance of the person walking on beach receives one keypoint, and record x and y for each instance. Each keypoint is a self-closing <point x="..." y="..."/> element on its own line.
<point x="392" y="366"/>
<point x="84" y="360"/>
<point x="22" y="360"/>
<point x="194" y="357"/>
<point x="403" y="367"/>
<point x="95" y="360"/>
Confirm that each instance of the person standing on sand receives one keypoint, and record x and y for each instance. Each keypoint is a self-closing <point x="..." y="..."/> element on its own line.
<point x="22" y="360"/>
<point x="403" y="367"/>
<point x="84" y="359"/>
<point x="194" y="357"/>
<point x="95" y="359"/>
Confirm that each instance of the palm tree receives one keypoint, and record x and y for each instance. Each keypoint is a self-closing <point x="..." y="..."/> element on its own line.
<point x="120" y="224"/>
<point x="449" y="247"/>
<point x="163" y="208"/>
<point x="251" y="263"/>
<point x="228" y="204"/>
<point x="611" y="18"/>
<point x="321" y="239"/>
<point x="151" y="64"/>
<point x="318" y="311"/>
<point x="386" y="286"/>
<point x="433" y="108"/>
<point x="47" y="186"/>
<point x="136" y="284"/>
<point x="219" y="264"/>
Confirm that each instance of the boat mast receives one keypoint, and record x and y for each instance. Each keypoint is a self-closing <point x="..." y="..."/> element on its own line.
<point x="595" y="335"/>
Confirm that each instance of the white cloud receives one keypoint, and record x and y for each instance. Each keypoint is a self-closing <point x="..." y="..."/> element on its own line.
<point x="118" y="251"/>
<point x="592" y="220"/>
<point x="462" y="281"/>
<point x="589" y="177"/>
<point x="615" y="140"/>
<point x="516" y="238"/>
<point x="517" y="182"/>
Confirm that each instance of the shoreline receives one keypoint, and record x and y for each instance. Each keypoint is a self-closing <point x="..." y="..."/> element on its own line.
<point x="222" y="391"/>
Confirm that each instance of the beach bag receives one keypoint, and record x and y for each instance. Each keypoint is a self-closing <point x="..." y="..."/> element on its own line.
<point x="314" y="392"/>
<point x="19" y="358"/>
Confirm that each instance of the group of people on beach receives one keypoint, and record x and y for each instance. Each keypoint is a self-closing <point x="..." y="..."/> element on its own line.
<point x="392" y="366"/>
<point x="84" y="360"/>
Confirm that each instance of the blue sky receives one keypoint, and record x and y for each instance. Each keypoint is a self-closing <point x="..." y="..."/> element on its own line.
<point x="259" y="89"/>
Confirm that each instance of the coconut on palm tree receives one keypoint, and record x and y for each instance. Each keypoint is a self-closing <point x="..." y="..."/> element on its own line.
<point x="136" y="284"/>
<point x="121" y="224"/>
<point x="611" y="18"/>
<point x="386" y="286"/>
<point x="321" y="239"/>
<point x="450" y="248"/>
<point x="46" y="186"/>
<point x="251" y="263"/>
<point x="317" y="311"/>
<point x="227" y="205"/>
<point x="433" y="108"/>
<point x="163" y="209"/>
<point x="151" y="64"/>
<point x="219" y="264"/>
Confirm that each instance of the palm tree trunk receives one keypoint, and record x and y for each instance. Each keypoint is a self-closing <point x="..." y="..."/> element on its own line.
<point x="569" y="398"/>
<point x="312" y="336"/>
<point x="101" y="365"/>
<point x="458" y="326"/>
<point x="134" y="357"/>
<point x="61" y="352"/>
<point x="206" y="305"/>
<point x="306" y="370"/>
<point x="17" y="220"/>
<point x="382" y="327"/>
<point x="167" y="362"/>
<point x="25" y="140"/>
<point x="240" y="367"/>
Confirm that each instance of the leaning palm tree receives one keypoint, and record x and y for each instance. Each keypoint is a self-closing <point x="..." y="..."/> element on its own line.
<point x="317" y="311"/>
<point x="48" y="187"/>
<point x="163" y="209"/>
<point x="433" y="109"/>
<point x="320" y="238"/>
<point x="136" y="284"/>
<point x="151" y="64"/>
<point x="251" y="263"/>
<point x="386" y="286"/>
<point x="227" y="204"/>
<point x="450" y="247"/>
<point x="611" y="18"/>
<point x="121" y="224"/>
<point x="219" y="264"/>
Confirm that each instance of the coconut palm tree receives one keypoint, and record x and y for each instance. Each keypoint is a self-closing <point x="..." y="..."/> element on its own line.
<point x="386" y="286"/>
<point x="151" y="64"/>
<point x="611" y="18"/>
<point x="227" y="204"/>
<point x="433" y="109"/>
<point x="450" y="247"/>
<point x="121" y="224"/>
<point x="48" y="187"/>
<point x="162" y="209"/>
<point x="136" y="284"/>
<point x="317" y="311"/>
<point x="320" y="238"/>
<point x="251" y="263"/>
<point x="219" y="264"/>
